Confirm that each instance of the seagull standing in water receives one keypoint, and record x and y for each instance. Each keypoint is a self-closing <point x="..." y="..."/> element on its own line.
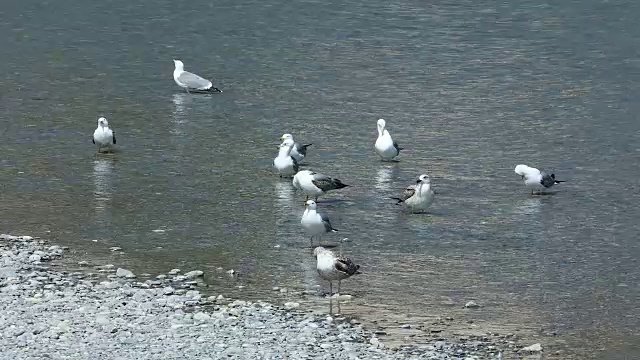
<point x="418" y="197"/>
<point x="385" y="146"/>
<point x="284" y="163"/>
<point x="331" y="268"/>
<point x="190" y="81"/>
<point x="315" y="224"/>
<point x="535" y="179"/>
<point x="104" y="137"/>
<point x="299" y="151"/>
<point x="315" y="184"/>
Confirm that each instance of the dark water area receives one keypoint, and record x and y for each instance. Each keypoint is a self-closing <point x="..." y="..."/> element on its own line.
<point x="469" y="89"/>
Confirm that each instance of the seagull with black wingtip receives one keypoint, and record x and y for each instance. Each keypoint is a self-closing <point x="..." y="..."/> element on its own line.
<point x="535" y="179"/>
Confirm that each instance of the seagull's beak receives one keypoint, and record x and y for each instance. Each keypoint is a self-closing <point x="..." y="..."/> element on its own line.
<point x="419" y="181"/>
<point x="281" y="138"/>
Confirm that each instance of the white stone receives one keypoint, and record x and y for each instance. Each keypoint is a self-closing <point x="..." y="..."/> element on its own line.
<point x="201" y="316"/>
<point x="291" y="305"/>
<point x="193" y="274"/>
<point x="471" y="304"/>
<point x="124" y="273"/>
<point x="533" y="348"/>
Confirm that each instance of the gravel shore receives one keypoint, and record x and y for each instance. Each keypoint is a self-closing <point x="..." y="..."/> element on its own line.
<point x="52" y="314"/>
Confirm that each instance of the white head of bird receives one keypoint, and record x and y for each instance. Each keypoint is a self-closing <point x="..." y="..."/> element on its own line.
<point x="286" y="146"/>
<point x="522" y="170"/>
<point x="424" y="179"/>
<point x="318" y="250"/>
<point x="310" y="204"/>
<point x="381" y="125"/>
<point x="103" y="122"/>
<point x="179" y="65"/>
<point x="286" y="137"/>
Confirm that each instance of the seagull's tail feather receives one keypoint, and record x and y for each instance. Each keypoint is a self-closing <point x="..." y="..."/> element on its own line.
<point x="338" y="184"/>
<point x="214" y="89"/>
<point x="400" y="201"/>
<point x="334" y="230"/>
<point x="559" y="181"/>
<point x="306" y="145"/>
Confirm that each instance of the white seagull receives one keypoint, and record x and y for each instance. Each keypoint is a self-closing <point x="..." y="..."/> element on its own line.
<point x="299" y="151"/>
<point x="331" y="268"/>
<point x="535" y="179"/>
<point x="313" y="223"/>
<point x="418" y="197"/>
<point x="284" y="163"/>
<point x="191" y="81"/>
<point x="104" y="137"/>
<point x="315" y="184"/>
<point x="385" y="146"/>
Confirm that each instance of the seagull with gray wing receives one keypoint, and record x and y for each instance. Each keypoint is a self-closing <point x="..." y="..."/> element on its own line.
<point x="284" y="163"/>
<point x="315" y="184"/>
<point x="190" y="81"/>
<point x="299" y="151"/>
<point x="535" y="179"/>
<point x="385" y="146"/>
<point x="314" y="223"/>
<point x="103" y="136"/>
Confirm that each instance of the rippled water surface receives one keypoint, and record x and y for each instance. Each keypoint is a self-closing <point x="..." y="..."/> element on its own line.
<point x="469" y="88"/>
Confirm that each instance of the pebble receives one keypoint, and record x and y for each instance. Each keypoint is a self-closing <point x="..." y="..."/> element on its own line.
<point x="48" y="314"/>
<point x="193" y="274"/>
<point x="471" y="305"/>
<point x="124" y="273"/>
<point x="533" y="348"/>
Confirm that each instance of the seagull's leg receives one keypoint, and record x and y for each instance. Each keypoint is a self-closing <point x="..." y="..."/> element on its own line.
<point x="330" y="298"/>
<point x="339" y="281"/>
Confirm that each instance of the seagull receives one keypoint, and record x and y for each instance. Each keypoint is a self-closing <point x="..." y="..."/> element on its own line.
<point x="103" y="136"/>
<point x="418" y="197"/>
<point x="191" y="81"/>
<point x="313" y="223"/>
<point x="535" y="179"/>
<point x="385" y="146"/>
<point x="315" y="184"/>
<point x="284" y="162"/>
<point x="299" y="151"/>
<point x="331" y="267"/>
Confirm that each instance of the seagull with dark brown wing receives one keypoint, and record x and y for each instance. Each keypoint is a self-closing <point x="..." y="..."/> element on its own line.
<point x="419" y="196"/>
<point x="331" y="268"/>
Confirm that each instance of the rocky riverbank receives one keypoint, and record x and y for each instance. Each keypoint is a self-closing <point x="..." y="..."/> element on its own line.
<point x="107" y="314"/>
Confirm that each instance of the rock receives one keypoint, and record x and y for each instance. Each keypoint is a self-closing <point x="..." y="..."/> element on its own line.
<point x="275" y="288"/>
<point x="471" y="305"/>
<point x="201" y="316"/>
<point x="405" y="326"/>
<point x="291" y="305"/>
<point x="115" y="248"/>
<point x="533" y="348"/>
<point x="161" y="277"/>
<point x="193" y="274"/>
<point x="124" y="273"/>
<point x="231" y="272"/>
<point x="220" y="297"/>
<point x="168" y="290"/>
<point x="174" y="271"/>
<point x="35" y="258"/>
